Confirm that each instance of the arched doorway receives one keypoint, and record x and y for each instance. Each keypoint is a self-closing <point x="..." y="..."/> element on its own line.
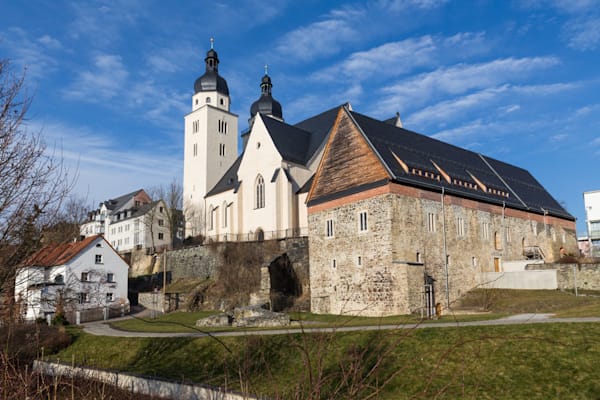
<point x="259" y="235"/>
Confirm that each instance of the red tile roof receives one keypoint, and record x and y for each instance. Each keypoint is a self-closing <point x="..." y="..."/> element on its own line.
<point x="58" y="254"/>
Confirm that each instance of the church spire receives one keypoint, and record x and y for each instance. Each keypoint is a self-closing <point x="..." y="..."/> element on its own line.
<point x="211" y="80"/>
<point x="266" y="104"/>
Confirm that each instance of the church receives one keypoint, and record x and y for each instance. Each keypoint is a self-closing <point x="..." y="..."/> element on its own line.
<point x="396" y="221"/>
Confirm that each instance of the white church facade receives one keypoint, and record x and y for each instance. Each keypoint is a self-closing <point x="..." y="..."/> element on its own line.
<point x="261" y="193"/>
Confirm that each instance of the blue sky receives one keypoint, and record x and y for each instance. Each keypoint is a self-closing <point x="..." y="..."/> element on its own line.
<point x="112" y="80"/>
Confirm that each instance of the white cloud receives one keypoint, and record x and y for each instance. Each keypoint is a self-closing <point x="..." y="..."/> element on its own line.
<point x="583" y="33"/>
<point x="106" y="80"/>
<point x="50" y="42"/>
<point x="461" y="78"/>
<point x="28" y="53"/>
<point x="510" y="108"/>
<point x="559" y="137"/>
<point x="402" y="5"/>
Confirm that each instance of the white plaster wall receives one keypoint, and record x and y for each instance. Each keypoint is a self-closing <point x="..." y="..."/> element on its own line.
<point x="261" y="159"/>
<point x="217" y="201"/>
<point x="592" y="205"/>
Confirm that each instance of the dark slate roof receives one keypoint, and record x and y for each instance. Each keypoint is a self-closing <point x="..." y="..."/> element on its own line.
<point x="291" y="142"/>
<point x="115" y="204"/>
<point x="229" y="180"/>
<point x="319" y="127"/>
<point x="505" y="183"/>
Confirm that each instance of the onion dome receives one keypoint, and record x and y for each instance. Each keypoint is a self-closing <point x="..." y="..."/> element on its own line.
<point x="266" y="104"/>
<point x="211" y="80"/>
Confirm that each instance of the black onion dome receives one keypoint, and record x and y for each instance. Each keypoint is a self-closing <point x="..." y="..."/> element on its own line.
<point x="266" y="104"/>
<point x="211" y="80"/>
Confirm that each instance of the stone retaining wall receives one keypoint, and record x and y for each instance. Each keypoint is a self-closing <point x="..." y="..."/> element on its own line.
<point x="569" y="276"/>
<point x="139" y="384"/>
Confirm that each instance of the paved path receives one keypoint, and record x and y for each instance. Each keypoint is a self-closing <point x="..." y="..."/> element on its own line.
<point x="102" y="328"/>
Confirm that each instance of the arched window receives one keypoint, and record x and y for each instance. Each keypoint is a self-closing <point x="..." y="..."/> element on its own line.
<point x="211" y="219"/>
<point x="224" y="214"/>
<point x="259" y="192"/>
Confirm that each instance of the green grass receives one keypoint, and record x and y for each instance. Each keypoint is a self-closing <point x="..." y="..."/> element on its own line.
<point x="563" y="304"/>
<point x="500" y="362"/>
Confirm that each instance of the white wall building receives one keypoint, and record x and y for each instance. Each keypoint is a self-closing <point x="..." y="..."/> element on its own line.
<point x="591" y="201"/>
<point x="261" y="193"/>
<point x="76" y="276"/>
<point x="130" y="222"/>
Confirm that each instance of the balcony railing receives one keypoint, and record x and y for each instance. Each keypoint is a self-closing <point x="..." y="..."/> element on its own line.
<point x="257" y="236"/>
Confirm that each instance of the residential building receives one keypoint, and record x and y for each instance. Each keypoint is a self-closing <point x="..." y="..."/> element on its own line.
<point x="591" y="201"/>
<point x="131" y="222"/>
<point x="88" y="277"/>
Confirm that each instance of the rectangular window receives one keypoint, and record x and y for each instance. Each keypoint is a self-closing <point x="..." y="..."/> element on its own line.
<point x="359" y="261"/>
<point x="98" y="258"/>
<point x="161" y="236"/>
<point x="195" y="149"/>
<point x="83" y="298"/>
<point x="460" y="227"/>
<point x="109" y="297"/>
<point x="330" y="232"/>
<point x="485" y="230"/>
<point x="507" y="234"/>
<point x="419" y="258"/>
<point x="333" y="263"/>
<point x="84" y="277"/>
<point x="363" y="225"/>
<point x="110" y="277"/>
<point x="161" y="209"/>
<point x="431" y="222"/>
<point x="161" y="222"/>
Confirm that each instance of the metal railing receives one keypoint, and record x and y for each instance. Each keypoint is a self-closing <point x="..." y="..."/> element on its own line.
<point x="257" y="236"/>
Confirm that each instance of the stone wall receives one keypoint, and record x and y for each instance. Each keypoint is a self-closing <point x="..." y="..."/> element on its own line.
<point x="406" y="227"/>
<point x="584" y="276"/>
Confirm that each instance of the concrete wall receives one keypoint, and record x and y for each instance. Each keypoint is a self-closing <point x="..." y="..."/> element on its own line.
<point x="534" y="279"/>
<point x="139" y="384"/>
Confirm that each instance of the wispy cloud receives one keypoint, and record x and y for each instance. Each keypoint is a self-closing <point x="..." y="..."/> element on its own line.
<point x="36" y="55"/>
<point x="461" y="78"/>
<point x="583" y="33"/>
<point x="401" y="5"/>
<point x="107" y="79"/>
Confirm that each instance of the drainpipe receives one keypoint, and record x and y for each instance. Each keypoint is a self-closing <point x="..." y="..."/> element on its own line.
<point x="445" y="252"/>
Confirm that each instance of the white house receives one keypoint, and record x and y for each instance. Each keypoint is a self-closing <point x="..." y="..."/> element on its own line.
<point x="591" y="202"/>
<point x="132" y="221"/>
<point x="83" y="276"/>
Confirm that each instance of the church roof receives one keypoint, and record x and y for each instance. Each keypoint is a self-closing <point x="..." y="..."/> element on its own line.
<point x="229" y="180"/>
<point x="211" y="80"/>
<point x="422" y="161"/>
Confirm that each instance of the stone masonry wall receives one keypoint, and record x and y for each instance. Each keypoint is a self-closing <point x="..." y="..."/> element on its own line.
<point x="478" y="237"/>
<point x="201" y="262"/>
<point x="585" y="276"/>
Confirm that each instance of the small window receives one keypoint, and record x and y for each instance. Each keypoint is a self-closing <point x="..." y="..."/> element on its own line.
<point x="419" y="257"/>
<point x="109" y="297"/>
<point x="497" y="241"/>
<point x="460" y="227"/>
<point x="329" y="228"/>
<point x="208" y="100"/>
<point x="259" y="192"/>
<point x="196" y="101"/>
<point x="431" y="222"/>
<point x="84" y="277"/>
<point x="59" y="279"/>
<point x="110" y="277"/>
<point x="485" y="230"/>
<point x="161" y="222"/>
<point x="161" y="209"/>
<point x="363" y="225"/>
<point x="83" y="298"/>
<point x="221" y="101"/>
<point x="98" y="258"/>
<point x="161" y="236"/>
<point x="507" y="234"/>
<point x="359" y="261"/>
<point x="333" y="263"/>
<point x="98" y="244"/>
<point x="474" y="262"/>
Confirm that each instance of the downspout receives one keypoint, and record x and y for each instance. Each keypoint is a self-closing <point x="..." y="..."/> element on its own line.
<point x="445" y="252"/>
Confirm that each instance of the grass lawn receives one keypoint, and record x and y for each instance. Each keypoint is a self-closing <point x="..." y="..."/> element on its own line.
<point x="499" y="362"/>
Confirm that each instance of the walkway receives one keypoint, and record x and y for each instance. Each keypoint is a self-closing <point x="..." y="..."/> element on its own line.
<point x="102" y="328"/>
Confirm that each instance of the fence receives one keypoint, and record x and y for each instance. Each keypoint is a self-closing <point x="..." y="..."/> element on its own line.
<point x="258" y="235"/>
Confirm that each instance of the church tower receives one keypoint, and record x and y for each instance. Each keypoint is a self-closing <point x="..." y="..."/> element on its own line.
<point x="211" y="141"/>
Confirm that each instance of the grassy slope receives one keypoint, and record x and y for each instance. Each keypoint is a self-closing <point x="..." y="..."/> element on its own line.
<point x="512" y="362"/>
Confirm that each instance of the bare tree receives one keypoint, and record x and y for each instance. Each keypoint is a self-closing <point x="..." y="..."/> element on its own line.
<point x="33" y="181"/>
<point x="195" y="220"/>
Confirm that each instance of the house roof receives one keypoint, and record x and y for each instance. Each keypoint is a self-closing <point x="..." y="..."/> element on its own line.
<point x="116" y="203"/>
<point x="58" y="254"/>
<point x="423" y="161"/>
